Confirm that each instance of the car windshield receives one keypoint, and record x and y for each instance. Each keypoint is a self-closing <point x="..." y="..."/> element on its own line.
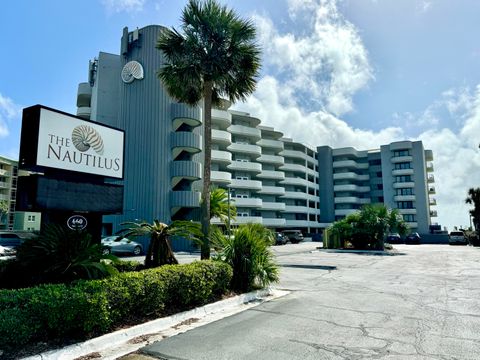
<point x="456" y="233"/>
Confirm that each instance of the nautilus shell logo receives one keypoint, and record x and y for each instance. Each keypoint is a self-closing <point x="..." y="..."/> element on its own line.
<point x="85" y="137"/>
<point x="131" y="71"/>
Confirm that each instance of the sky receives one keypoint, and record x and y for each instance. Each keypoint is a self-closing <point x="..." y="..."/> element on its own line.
<point x="358" y="73"/>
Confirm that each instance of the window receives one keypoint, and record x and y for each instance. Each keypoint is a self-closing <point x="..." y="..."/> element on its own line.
<point x="243" y="214"/>
<point x="405" y="204"/>
<point x="31" y="218"/>
<point x="379" y="186"/>
<point x="375" y="162"/>
<point x="379" y="174"/>
<point x="403" y="178"/>
<point x="401" y="153"/>
<point x="409" y="218"/>
<point x="406" y="191"/>
<point x="403" y="165"/>
<point x="241" y="178"/>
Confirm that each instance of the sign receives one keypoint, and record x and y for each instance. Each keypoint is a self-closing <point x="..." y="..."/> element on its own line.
<point x="53" y="139"/>
<point x="77" y="222"/>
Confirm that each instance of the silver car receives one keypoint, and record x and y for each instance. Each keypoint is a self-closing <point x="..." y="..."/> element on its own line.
<point x="120" y="245"/>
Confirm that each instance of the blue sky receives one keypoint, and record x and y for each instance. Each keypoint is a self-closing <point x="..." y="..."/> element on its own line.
<point x="353" y="72"/>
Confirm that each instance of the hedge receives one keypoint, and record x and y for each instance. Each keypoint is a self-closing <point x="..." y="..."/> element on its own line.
<point x="89" y="308"/>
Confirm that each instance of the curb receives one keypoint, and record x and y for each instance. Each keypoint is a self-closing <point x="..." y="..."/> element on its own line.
<point x="120" y="337"/>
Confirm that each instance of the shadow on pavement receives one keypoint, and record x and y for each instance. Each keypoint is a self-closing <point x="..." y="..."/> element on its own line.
<point x="318" y="267"/>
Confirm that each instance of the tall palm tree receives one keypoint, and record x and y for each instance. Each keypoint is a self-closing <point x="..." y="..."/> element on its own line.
<point x="215" y="56"/>
<point x="220" y="207"/>
<point x="474" y="199"/>
<point x="159" y="250"/>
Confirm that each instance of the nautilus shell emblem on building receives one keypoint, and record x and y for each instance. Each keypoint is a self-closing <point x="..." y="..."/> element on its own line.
<point x="85" y="137"/>
<point x="131" y="71"/>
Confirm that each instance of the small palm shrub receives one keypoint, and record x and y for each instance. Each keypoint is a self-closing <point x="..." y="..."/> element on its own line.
<point x="248" y="252"/>
<point x="59" y="255"/>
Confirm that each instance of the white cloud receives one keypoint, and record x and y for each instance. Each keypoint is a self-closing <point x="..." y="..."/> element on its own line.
<point x="325" y="64"/>
<point x="423" y="6"/>
<point x="116" y="6"/>
<point x="8" y="111"/>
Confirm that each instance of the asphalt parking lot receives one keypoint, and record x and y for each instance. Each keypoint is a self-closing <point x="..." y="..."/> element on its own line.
<point x="422" y="303"/>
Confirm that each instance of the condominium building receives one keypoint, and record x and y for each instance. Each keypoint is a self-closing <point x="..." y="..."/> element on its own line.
<point x="398" y="175"/>
<point x="273" y="180"/>
<point x="13" y="220"/>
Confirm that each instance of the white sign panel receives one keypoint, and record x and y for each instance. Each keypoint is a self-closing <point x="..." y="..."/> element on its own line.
<point x="68" y="143"/>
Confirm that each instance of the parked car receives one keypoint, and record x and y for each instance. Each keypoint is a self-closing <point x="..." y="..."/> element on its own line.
<point x="294" y="236"/>
<point x="120" y="245"/>
<point x="394" y="238"/>
<point x="457" y="237"/>
<point x="280" y="239"/>
<point x="11" y="239"/>
<point x="413" y="238"/>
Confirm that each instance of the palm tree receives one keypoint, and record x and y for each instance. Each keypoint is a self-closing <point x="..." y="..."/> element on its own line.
<point x="220" y="207"/>
<point x="3" y="209"/>
<point x="214" y="57"/>
<point x="159" y="250"/>
<point x="474" y="199"/>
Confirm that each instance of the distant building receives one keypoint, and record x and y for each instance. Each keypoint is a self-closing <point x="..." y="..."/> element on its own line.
<point x="8" y="192"/>
<point x="273" y="180"/>
<point x="399" y="175"/>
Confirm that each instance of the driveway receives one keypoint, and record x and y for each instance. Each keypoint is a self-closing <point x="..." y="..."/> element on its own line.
<point x="423" y="303"/>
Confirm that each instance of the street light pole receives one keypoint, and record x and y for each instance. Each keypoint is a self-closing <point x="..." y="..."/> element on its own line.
<point x="228" y="223"/>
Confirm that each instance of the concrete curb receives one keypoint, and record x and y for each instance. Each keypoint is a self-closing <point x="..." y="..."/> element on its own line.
<point x="120" y="337"/>
<point x="372" y="252"/>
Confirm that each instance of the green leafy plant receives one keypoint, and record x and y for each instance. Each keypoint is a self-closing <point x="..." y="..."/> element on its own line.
<point x="214" y="56"/>
<point x="367" y="228"/>
<point x="159" y="250"/>
<point x="474" y="199"/>
<point x="220" y="207"/>
<point x="59" y="254"/>
<point x="248" y="252"/>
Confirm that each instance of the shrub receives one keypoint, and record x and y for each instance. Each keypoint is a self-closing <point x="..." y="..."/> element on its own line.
<point x="127" y="266"/>
<point x="248" y="252"/>
<point x="90" y="307"/>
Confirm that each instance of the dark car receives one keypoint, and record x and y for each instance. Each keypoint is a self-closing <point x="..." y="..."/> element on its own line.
<point x="280" y="239"/>
<point x="457" y="238"/>
<point x="294" y="236"/>
<point x="120" y="245"/>
<point x="413" y="238"/>
<point x="394" y="238"/>
<point x="11" y="239"/>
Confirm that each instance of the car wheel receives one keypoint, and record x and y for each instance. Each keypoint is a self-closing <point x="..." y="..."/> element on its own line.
<point x="137" y="250"/>
<point x="106" y="251"/>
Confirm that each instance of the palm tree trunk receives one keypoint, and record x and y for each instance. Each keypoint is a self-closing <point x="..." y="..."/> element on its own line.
<point x="207" y="96"/>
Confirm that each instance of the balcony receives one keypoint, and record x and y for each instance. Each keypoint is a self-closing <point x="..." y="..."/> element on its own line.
<point x="4" y="185"/>
<point x="84" y="94"/>
<point x="298" y="209"/>
<point x="247" y="220"/>
<point x="404" y="197"/>
<point x="184" y="199"/>
<point x="184" y="114"/>
<point x="407" y="211"/>
<point x="246" y="184"/>
<point x="350" y="164"/>
<point x="245" y="166"/>
<point x="397" y="159"/>
<point x="185" y="141"/>
<point x="84" y="112"/>
<point x="433" y="213"/>
<point x="271" y="159"/>
<point x="345" y="212"/>
<point x="293" y="167"/>
<point x="432" y="202"/>
<point x="221" y="137"/>
<point x="428" y="155"/>
<point x="429" y="167"/>
<point x="295" y="181"/>
<point x="350" y="176"/>
<point x="301" y="223"/>
<point x="351" y="200"/>
<point x="189" y="170"/>
<point x="269" y="174"/>
<point x="431" y="179"/>
<point x="400" y="172"/>
<point x="4" y="197"/>
<point x="412" y="224"/>
<point x="221" y="177"/>
<point x="4" y="172"/>
<point x="223" y="157"/>
<point x="221" y="117"/>
<point x="431" y="190"/>
<point x="245" y="131"/>
<point x="349" y="151"/>
<point x="400" y="185"/>
<point x="351" y="187"/>
<point x="271" y="144"/>
<point x="273" y="222"/>
<point x="273" y="206"/>
<point x="272" y="190"/>
<point x="247" y="202"/>
<point x="296" y="154"/>
<point x="248" y="149"/>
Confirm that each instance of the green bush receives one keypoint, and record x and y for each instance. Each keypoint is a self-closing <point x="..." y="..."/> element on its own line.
<point x="127" y="266"/>
<point x="91" y="307"/>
